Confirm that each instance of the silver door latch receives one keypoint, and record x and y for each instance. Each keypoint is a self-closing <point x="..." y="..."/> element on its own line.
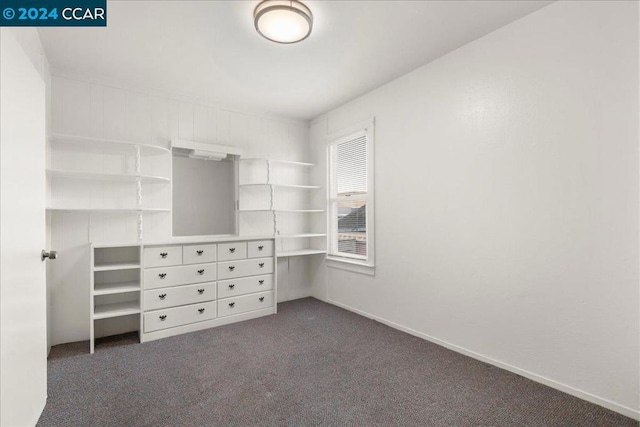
<point x="51" y="255"/>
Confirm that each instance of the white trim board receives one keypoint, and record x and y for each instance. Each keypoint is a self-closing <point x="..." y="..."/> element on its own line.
<point x="201" y="146"/>
<point x="626" y="411"/>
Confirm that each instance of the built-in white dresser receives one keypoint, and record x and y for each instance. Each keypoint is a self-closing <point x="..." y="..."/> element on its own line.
<point x="178" y="288"/>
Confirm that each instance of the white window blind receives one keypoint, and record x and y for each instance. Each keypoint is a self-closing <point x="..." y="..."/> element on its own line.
<point x="351" y="167"/>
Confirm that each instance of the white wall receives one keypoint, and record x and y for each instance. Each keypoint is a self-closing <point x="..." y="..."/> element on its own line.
<point x="104" y="111"/>
<point x="29" y="40"/>
<point x="204" y="197"/>
<point x="507" y="201"/>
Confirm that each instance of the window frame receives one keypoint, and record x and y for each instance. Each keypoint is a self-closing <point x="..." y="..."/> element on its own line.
<point x="341" y="260"/>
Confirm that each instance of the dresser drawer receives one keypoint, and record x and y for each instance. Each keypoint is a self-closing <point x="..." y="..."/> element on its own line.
<point x="177" y="316"/>
<point x="242" y="304"/>
<point x="161" y="256"/>
<point x="183" y="275"/>
<point x="179" y="295"/>
<point x="198" y="254"/>
<point x="162" y="277"/>
<point x="198" y="273"/>
<point x="247" y="267"/>
<point x="231" y="251"/>
<point x="246" y="285"/>
<point x="260" y="249"/>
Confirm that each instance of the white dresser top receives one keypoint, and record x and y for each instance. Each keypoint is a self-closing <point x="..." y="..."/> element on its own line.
<point x="184" y="240"/>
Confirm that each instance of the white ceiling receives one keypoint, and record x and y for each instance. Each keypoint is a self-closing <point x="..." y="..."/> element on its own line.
<point x="209" y="50"/>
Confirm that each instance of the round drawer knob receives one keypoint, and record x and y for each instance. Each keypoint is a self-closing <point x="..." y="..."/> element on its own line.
<point x="162" y="296"/>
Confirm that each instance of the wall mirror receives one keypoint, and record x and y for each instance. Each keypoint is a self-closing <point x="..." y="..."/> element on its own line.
<point x="204" y="189"/>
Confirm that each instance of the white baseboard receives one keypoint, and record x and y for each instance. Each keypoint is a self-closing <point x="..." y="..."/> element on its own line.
<point x="621" y="409"/>
<point x="299" y="294"/>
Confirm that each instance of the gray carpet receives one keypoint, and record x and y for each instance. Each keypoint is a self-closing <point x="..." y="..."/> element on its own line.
<point x="312" y="364"/>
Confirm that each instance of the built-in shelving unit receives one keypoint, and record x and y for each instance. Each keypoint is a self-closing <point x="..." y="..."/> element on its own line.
<point x="116" y="275"/>
<point x="292" y="243"/>
<point x="122" y="161"/>
<point x="178" y="286"/>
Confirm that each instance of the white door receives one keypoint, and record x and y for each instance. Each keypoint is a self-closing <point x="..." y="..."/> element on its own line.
<point x="23" y="338"/>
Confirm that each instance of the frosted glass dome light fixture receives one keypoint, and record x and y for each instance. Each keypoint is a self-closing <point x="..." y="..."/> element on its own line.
<point x="283" y="21"/>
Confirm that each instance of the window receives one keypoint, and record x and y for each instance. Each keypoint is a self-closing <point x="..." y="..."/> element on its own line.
<point x="351" y="196"/>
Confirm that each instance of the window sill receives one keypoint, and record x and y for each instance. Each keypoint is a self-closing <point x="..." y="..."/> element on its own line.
<point x="351" y="265"/>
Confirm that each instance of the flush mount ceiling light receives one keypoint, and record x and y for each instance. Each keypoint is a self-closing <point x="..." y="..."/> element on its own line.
<point x="283" y="21"/>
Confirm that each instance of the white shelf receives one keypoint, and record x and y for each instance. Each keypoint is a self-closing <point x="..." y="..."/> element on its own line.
<point x="301" y="252"/>
<point x="303" y="187"/>
<point x="106" y="144"/>
<point x="116" y="310"/>
<point x="285" y="162"/>
<point x="283" y="210"/>
<point x="110" y="266"/>
<point x="105" y="176"/>
<point x="300" y="210"/>
<point x="299" y="236"/>
<point x="100" y="210"/>
<point x="116" y="288"/>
